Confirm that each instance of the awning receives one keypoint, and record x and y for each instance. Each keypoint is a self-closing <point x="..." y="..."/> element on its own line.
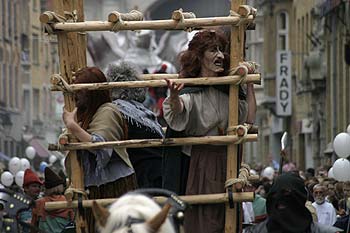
<point x="40" y="147"/>
<point x="4" y="157"/>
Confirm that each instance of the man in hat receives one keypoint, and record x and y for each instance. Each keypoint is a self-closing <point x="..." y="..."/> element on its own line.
<point x="286" y="209"/>
<point x="32" y="187"/>
<point x="52" y="221"/>
<point x="31" y="184"/>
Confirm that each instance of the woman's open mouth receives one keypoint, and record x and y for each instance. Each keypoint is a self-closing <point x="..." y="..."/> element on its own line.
<point x="219" y="63"/>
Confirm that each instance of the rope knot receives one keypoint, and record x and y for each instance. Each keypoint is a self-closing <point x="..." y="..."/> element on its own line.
<point x="240" y="130"/>
<point x="70" y="192"/>
<point x="60" y="83"/>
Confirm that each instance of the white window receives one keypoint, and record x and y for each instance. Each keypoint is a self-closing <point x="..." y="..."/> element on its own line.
<point x="282" y="31"/>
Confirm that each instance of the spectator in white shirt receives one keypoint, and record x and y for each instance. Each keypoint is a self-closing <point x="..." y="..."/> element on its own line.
<point x="326" y="213"/>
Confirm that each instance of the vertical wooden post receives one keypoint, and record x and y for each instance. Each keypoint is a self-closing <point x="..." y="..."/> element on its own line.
<point x="72" y="55"/>
<point x="236" y="55"/>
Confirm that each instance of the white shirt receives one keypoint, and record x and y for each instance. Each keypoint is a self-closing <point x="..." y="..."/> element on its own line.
<point x="325" y="213"/>
<point x="248" y="212"/>
<point x="205" y="113"/>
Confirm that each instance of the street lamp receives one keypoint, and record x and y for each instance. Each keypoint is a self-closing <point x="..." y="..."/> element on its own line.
<point x="5" y="123"/>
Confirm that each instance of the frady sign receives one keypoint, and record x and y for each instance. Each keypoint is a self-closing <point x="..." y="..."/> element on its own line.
<point x="283" y="83"/>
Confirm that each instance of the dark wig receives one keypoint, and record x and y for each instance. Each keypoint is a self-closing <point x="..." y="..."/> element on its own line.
<point x="191" y="59"/>
<point x="91" y="99"/>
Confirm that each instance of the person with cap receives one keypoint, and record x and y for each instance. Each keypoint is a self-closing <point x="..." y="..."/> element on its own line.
<point x="286" y="209"/>
<point x="31" y="184"/>
<point x="32" y="187"/>
<point x="53" y="221"/>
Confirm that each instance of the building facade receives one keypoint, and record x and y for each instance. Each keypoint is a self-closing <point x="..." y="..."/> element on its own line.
<point x="336" y="24"/>
<point x="314" y="35"/>
<point x="10" y="76"/>
<point x="27" y="59"/>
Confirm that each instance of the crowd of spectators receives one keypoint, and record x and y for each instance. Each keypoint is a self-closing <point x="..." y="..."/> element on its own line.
<point x="328" y="199"/>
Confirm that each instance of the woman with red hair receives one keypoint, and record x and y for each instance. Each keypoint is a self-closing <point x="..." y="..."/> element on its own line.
<point x="108" y="173"/>
<point x="203" y="111"/>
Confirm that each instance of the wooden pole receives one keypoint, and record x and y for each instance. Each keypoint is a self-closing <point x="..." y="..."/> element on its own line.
<point x="140" y="143"/>
<point x="72" y="55"/>
<point x="254" y="78"/>
<point x="189" y="199"/>
<point x="46" y="17"/>
<point x="236" y="55"/>
<point x="133" y="15"/>
<point x="167" y="24"/>
<point x="180" y="15"/>
<point x="158" y="76"/>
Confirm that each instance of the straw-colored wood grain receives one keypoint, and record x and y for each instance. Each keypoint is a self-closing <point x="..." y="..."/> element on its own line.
<point x="140" y="143"/>
<point x="189" y="199"/>
<point x="149" y="25"/>
<point x="252" y="78"/>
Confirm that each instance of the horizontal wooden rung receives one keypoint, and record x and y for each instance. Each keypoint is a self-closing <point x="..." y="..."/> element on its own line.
<point x="189" y="199"/>
<point x="158" y="76"/>
<point x="133" y="15"/>
<point x="168" y="24"/>
<point x="235" y="79"/>
<point x="139" y="143"/>
<point x="181" y="15"/>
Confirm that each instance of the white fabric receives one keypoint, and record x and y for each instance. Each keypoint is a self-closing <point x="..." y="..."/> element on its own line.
<point x="325" y="213"/>
<point x="205" y="113"/>
<point x="248" y="212"/>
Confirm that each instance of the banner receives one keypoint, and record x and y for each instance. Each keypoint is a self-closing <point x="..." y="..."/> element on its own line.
<point x="283" y="83"/>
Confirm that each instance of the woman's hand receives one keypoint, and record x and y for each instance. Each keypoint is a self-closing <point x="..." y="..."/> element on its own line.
<point x="176" y="104"/>
<point x="70" y="118"/>
<point x="174" y="88"/>
<point x="71" y="122"/>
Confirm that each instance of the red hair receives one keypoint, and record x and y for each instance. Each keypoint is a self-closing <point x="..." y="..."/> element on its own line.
<point x="191" y="59"/>
<point x="92" y="99"/>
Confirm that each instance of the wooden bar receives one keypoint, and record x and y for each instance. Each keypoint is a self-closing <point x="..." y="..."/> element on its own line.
<point x="158" y="76"/>
<point x="167" y="24"/>
<point x="133" y="15"/>
<point x="72" y="56"/>
<point x="189" y="199"/>
<point x="254" y="78"/>
<point x="245" y="10"/>
<point x="47" y="17"/>
<point x="140" y="143"/>
<point x="180" y="15"/>
<point x="232" y="221"/>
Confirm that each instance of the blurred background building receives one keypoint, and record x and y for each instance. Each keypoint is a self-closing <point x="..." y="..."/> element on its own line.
<point x="316" y="33"/>
<point x="27" y="59"/>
